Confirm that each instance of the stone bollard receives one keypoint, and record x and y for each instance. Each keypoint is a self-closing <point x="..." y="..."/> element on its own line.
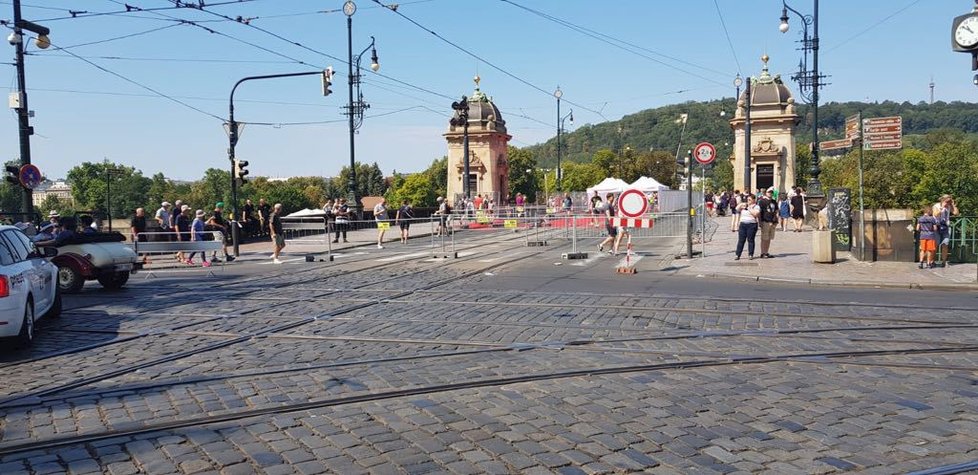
<point x="822" y="250"/>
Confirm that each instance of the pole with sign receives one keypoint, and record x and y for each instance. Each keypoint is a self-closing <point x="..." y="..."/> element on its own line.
<point x="704" y="153"/>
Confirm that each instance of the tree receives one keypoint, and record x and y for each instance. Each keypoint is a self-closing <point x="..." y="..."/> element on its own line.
<point x="605" y="160"/>
<point x="160" y="189"/>
<point x="722" y="174"/>
<point x="214" y="187"/>
<point x="578" y="177"/>
<point x="90" y="185"/>
<point x="416" y="188"/>
<point x="522" y="175"/>
<point x="54" y="203"/>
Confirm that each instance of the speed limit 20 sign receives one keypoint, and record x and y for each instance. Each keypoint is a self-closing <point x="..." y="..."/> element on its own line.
<point x="704" y="153"/>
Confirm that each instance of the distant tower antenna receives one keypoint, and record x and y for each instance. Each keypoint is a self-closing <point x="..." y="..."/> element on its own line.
<point x="932" y="89"/>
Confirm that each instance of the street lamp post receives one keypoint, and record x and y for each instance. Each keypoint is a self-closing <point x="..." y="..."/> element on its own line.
<point x="747" y="99"/>
<point x="234" y="132"/>
<point x="560" y="126"/>
<point x="20" y="101"/>
<point x="109" y="171"/>
<point x="809" y="80"/>
<point x="355" y="108"/>
<point x="461" y="118"/>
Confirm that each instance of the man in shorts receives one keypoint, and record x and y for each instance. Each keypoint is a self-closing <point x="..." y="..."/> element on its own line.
<point x="927" y="226"/>
<point x="275" y="229"/>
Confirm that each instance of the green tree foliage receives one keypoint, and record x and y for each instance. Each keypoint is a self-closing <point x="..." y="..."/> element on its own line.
<point x="578" y="177"/>
<point x="522" y="173"/>
<point x="54" y="203"/>
<point x="658" y="164"/>
<point x="606" y="161"/>
<point x="90" y="183"/>
<point x="214" y="187"/>
<point x="722" y="175"/>
<point x="161" y="190"/>
<point x="417" y="188"/>
<point x="370" y="181"/>
<point x="11" y="196"/>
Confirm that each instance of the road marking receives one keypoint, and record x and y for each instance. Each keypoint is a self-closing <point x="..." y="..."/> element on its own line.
<point x="402" y="256"/>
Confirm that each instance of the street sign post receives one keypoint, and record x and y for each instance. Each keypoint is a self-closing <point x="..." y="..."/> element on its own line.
<point x="827" y="145"/>
<point x="883" y="133"/>
<point x="705" y="153"/>
<point x="852" y="128"/>
<point x="632" y="203"/>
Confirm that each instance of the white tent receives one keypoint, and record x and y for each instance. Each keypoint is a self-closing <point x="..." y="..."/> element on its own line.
<point x="307" y="213"/>
<point x="648" y="185"/>
<point x="608" y="185"/>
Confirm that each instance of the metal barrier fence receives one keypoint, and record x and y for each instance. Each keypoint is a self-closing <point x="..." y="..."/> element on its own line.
<point x="964" y="239"/>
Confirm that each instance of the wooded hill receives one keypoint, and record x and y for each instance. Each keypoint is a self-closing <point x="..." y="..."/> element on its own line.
<point x="657" y="129"/>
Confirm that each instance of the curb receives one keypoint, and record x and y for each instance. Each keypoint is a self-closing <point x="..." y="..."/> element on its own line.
<point x="836" y="283"/>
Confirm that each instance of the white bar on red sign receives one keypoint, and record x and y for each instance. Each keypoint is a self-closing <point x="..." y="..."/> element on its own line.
<point x="634" y="222"/>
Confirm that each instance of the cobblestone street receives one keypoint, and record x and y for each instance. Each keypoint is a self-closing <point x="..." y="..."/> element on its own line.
<point x="497" y="362"/>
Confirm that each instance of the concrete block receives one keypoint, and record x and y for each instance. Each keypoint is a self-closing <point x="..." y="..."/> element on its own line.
<point x="822" y="251"/>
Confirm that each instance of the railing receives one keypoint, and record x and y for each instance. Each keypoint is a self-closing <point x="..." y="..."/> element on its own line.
<point x="964" y="239"/>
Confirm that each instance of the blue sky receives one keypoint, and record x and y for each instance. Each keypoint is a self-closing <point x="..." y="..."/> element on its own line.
<point x="873" y="49"/>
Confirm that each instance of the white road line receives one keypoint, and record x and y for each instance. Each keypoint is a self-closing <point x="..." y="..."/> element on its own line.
<point x="402" y="256"/>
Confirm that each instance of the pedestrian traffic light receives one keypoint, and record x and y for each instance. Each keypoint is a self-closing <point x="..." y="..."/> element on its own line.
<point x="240" y="171"/>
<point x="327" y="80"/>
<point x="13" y="175"/>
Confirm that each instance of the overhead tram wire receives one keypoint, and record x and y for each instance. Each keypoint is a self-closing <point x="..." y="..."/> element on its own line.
<point x="483" y="60"/>
<point x="141" y="85"/>
<point x="116" y="38"/>
<point x="159" y="60"/>
<point x="213" y="31"/>
<point x="723" y="23"/>
<point x="870" y="27"/>
<point x="320" y="12"/>
<point x="618" y="43"/>
<point x="307" y="48"/>
<point x="75" y="14"/>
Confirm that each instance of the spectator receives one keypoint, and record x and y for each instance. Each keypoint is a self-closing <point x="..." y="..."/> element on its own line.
<point x="264" y="212"/>
<point x="769" y="221"/>
<point x="747" y="230"/>
<point x="163" y="218"/>
<point x="342" y="212"/>
<point x="734" y="202"/>
<point x="942" y="211"/>
<point x="797" y="204"/>
<point x="567" y="203"/>
<point x="927" y="226"/>
<point x="784" y="211"/>
<point x="248" y="217"/>
<point x="404" y="216"/>
<point x="86" y="222"/>
<point x="46" y="233"/>
<point x="197" y="234"/>
<point x="276" y="231"/>
<point x="443" y="211"/>
<point x="380" y="216"/>
<point x="182" y="228"/>
<point x="218" y="223"/>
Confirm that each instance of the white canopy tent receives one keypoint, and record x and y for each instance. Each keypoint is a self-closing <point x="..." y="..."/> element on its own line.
<point x="648" y="185"/>
<point x="608" y="185"/>
<point x="307" y="213"/>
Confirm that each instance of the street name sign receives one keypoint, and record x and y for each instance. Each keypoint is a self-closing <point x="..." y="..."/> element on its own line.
<point x="834" y="144"/>
<point x="883" y="133"/>
<point x="852" y="128"/>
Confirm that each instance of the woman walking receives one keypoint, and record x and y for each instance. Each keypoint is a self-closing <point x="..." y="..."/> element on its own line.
<point x="784" y="211"/>
<point x="798" y="209"/>
<point x="404" y="216"/>
<point x="380" y="216"/>
<point x="747" y="231"/>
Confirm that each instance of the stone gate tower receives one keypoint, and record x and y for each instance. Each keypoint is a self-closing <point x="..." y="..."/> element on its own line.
<point x="488" y="157"/>
<point x="773" y="121"/>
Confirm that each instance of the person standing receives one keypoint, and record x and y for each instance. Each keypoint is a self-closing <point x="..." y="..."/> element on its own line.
<point x="943" y="210"/>
<point x="567" y="203"/>
<point x="769" y="221"/>
<point x="218" y="223"/>
<point x="747" y="230"/>
<point x="797" y="204"/>
<point x="735" y="201"/>
<point x="163" y="218"/>
<point x="404" y="216"/>
<point x="264" y="211"/>
<point x="275" y="229"/>
<point x="248" y="217"/>
<point x="342" y="213"/>
<point x="784" y="211"/>
<point x="443" y="211"/>
<point x="927" y="226"/>
<point x="181" y="225"/>
<point x="380" y="216"/>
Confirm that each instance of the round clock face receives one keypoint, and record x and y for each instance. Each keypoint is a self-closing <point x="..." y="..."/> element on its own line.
<point x="966" y="34"/>
<point x="349" y="8"/>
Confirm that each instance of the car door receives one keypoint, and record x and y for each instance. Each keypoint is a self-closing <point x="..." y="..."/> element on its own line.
<point x="26" y="270"/>
<point x="46" y="272"/>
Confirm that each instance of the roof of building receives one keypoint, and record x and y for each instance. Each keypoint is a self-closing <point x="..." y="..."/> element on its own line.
<point x="767" y="90"/>
<point x="482" y="112"/>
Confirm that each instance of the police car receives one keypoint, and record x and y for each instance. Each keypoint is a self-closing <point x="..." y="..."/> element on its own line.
<point x="28" y="286"/>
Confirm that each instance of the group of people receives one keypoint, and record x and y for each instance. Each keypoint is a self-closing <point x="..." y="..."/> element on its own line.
<point x="180" y="222"/>
<point x="935" y="231"/>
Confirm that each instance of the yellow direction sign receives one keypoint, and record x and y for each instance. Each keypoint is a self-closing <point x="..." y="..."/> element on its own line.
<point x="510" y="223"/>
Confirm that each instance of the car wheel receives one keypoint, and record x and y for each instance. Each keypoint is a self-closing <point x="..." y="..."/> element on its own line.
<point x="26" y="335"/>
<point x="55" y="310"/>
<point x="114" y="281"/>
<point x="69" y="279"/>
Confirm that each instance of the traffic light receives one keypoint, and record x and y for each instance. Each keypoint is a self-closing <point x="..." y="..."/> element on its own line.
<point x="327" y="80"/>
<point x="13" y="175"/>
<point x="240" y="171"/>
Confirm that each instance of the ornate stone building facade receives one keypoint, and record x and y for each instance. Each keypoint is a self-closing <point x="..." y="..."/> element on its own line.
<point x="488" y="156"/>
<point x="773" y="122"/>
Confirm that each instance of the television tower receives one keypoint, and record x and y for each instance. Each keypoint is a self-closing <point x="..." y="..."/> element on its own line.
<point x="932" y="90"/>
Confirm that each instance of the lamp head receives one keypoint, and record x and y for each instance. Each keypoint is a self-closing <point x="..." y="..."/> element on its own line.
<point x="558" y="93"/>
<point x="42" y="41"/>
<point x="784" y="20"/>
<point x="738" y="81"/>
<point x="349" y="8"/>
<point x="975" y="80"/>
<point x="374" y="62"/>
<point x="14" y="38"/>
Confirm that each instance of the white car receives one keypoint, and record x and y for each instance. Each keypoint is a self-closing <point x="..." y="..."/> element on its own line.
<point x="28" y="286"/>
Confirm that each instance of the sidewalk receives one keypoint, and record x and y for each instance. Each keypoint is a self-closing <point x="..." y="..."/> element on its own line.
<point x="792" y="263"/>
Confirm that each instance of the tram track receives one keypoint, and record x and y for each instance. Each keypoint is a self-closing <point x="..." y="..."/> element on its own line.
<point x="6" y="402"/>
<point x="134" y="430"/>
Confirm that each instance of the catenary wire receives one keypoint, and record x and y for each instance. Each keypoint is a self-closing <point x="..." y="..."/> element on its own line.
<point x="74" y="14"/>
<point x="874" y="25"/>
<point x="726" y="33"/>
<point x="619" y="42"/>
<point x="158" y="60"/>
<point x="483" y="60"/>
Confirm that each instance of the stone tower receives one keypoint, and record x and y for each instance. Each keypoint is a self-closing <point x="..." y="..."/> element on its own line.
<point x="773" y="121"/>
<point x="488" y="157"/>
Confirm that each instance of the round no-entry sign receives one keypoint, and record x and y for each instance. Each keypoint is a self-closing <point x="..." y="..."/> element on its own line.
<point x="632" y="203"/>
<point x="704" y="153"/>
